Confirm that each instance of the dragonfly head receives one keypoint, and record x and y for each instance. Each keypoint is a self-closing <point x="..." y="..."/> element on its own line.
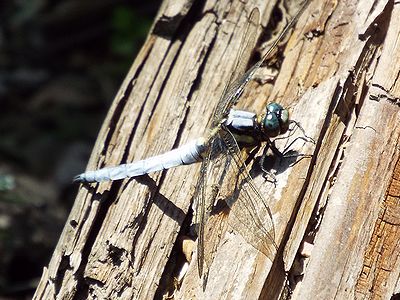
<point x="276" y="120"/>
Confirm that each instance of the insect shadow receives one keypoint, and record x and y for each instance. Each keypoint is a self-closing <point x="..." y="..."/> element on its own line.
<point x="273" y="162"/>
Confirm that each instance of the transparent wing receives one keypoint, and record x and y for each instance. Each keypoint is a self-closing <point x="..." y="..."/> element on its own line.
<point x="200" y="211"/>
<point x="215" y="228"/>
<point x="224" y="176"/>
<point x="238" y="82"/>
<point x="252" y="214"/>
<point x="212" y="172"/>
<point x="215" y="158"/>
<point x="252" y="217"/>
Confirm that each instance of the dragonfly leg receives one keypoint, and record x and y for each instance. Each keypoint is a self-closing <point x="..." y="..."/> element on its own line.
<point x="297" y="125"/>
<point x="274" y="149"/>
<point x="289" y="153"/>
<point x="252" y="154"/>
<point x="292" y="130"/>
<point x="286" y="153"/>
<point x="267" y="174"/>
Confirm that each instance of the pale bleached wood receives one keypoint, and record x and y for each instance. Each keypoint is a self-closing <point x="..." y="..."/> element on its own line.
<point x="357" y="185"/>
<point x="119" y="237"/>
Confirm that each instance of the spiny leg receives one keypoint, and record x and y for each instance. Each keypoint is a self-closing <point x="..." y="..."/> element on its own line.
<point x="293" y="130"/>
<point x="287" y="152"/>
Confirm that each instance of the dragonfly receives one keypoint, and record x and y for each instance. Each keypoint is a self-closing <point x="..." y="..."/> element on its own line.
<point x="220" y="154"/>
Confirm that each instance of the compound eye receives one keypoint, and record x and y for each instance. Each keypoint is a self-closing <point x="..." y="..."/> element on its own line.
<point x="284" y="118"/>
<point x="276" y="120"/>
<point x="274" y="108"/>
<point x="271" y="124"/>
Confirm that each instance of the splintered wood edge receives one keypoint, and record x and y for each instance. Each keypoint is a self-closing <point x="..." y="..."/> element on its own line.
<point x="341" y="257"/>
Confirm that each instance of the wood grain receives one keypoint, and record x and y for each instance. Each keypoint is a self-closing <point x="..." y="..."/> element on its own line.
<point x="339" y="77"/>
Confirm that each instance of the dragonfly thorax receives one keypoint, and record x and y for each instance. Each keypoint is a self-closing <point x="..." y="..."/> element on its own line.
<point x="275" y="121"/>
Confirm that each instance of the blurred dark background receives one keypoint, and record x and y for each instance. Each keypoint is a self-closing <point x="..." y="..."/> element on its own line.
<point x="61" y="63"/>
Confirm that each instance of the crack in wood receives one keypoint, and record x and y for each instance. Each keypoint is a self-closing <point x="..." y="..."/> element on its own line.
<point x="378" y="93"/>
<point x="383" y="253"/>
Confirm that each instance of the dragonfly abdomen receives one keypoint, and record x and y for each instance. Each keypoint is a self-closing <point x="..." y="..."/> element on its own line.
<point x="242" y="124"/>
<point x="184" y="155"/>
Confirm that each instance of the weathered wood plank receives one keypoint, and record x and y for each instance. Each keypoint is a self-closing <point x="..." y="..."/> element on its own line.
<point x="357" y="185"/>
<point x="339" y="60"/>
